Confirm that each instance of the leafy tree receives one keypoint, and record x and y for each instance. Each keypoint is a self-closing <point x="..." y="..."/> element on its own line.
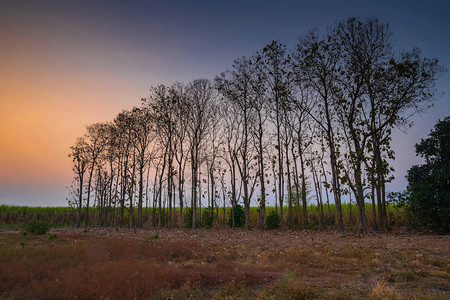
<point x="429" y="184"/>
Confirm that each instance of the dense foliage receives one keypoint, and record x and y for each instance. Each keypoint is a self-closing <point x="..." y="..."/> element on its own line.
<point x="429" y="183"/>
<point x="239" y="216"/>
<point x="208" y="217"/>
<point x="37" y="227"/>
<point x="273" y="220"/>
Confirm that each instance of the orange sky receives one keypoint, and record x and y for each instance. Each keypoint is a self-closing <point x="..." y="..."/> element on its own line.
<point x="45" y="102"/>
<point x="61" y="70"/>
<point x="41" y="114"/>
<point x="67" y="64"/>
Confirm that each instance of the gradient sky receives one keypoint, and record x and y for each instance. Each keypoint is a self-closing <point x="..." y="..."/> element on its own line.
<point x="66" y="64"/>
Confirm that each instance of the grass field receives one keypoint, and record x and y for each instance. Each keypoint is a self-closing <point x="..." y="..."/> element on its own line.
<point x="104" y="263"/>
<point x="18" y="216"/>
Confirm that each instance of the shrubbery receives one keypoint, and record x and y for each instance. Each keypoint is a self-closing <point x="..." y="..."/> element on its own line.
<point x="273" y="220"/>
<point x="207" y="218"/>
<point x="428" y="193"/>
<point x="37" y="227"/>
<point x="239" y="217"/>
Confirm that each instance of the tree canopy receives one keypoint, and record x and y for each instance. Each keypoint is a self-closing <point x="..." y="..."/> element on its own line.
<point x="429" y="183"/>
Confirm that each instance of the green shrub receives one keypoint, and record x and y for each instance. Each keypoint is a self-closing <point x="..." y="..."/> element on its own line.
<point x="187" y="217"/>
<point x="273" y="220"/>
<point x="207" y="218"/>
<point x="52" y="237"/>
<point x="37" y="227"/>
<point x="239" y="217"/>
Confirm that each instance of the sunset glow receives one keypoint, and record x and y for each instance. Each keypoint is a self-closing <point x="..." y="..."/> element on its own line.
<point x="67" y="64"/>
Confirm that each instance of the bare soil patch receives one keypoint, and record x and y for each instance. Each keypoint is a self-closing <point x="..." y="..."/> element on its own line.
<point x="233" y="264"/>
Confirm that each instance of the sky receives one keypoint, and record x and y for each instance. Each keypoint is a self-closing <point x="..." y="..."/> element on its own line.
<point x="67" y="64"/>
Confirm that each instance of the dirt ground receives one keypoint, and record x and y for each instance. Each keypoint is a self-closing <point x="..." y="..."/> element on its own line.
<point x="223" y="264"/>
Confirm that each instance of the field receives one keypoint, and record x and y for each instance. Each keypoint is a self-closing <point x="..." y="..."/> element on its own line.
<point x="18" y="216"/>
<point x="123" y="263"/>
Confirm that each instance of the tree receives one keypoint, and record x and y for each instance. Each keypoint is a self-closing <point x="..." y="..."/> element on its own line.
<point x="80" y="164"/>
<point x="143" y="131"/>
<point x="179" y="96"/>
<point x="276" y="60"/>
<point x="236" y="88"/>
<point x="259" y="105"/>
<point x="232" y="128"/>
<point x="429" y="184"/>
<point x="315" y="65"/>
<point x="374" y="90"/>
<point x="200" y="101"/>
<point x="95" y="144"/>
<point x="163" y="102"/>
<point x="124" y="135"/>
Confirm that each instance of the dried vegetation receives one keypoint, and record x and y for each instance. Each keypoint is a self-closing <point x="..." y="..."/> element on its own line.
<point x="222" y="264"/>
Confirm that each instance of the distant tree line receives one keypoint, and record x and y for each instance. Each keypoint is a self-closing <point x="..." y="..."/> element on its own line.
<point x="311" y="122"/>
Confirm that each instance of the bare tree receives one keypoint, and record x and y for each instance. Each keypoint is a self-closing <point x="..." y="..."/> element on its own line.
<point x="80" y="165"/>
<point x="316" y="67"/>
<point x="237" y="88"/>
<point x="200" y="99"/>
<point x="144" y="136"/>
<point x="95" y="143"/>
<point x="275" y="61"/>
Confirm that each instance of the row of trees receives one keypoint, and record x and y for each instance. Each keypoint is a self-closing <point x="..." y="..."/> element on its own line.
<point x="315" y="121"/>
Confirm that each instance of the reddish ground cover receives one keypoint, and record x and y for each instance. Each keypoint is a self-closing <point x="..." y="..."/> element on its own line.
<point x="233" y="264"/>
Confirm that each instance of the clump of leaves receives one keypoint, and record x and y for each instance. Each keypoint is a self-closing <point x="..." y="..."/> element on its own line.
<point x="37" y="227"/>
<point x="273" y="220"/>
<point x="52" y="237"/>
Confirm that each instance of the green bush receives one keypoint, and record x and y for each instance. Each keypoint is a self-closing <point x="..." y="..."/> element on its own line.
<point x="187" y="217"/>
<point x="207" y="217"/>
<point x="273" y="220"/>
<point x="37" y="227"/>
<point x="239" y="217"/>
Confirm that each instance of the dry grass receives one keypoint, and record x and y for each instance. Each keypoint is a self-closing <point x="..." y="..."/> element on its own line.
<point x="223" y="264"/>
